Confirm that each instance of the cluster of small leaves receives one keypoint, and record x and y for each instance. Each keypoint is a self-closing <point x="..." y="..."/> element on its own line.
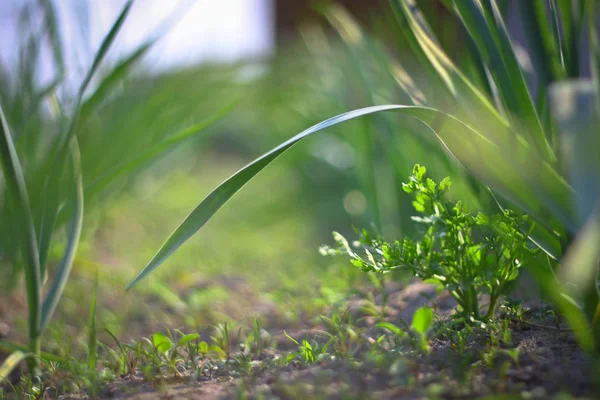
<point x="467" y="253"/>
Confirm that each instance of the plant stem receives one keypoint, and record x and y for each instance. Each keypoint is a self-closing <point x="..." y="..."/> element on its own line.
<point x="35" y="349"/>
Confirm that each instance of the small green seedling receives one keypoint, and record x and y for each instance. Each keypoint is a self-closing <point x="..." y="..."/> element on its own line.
<point x="308" y="353"/>
<point x="421" y="323"/>
<point x="221" y="339"/>
<point x="345" y="336"/>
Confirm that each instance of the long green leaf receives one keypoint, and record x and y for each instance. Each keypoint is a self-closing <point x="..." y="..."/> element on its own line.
<point x="512" y="177"/>
<point x="17" y="190"/>
<point x="492" y="41"/>
<point x="105" y="45"/>
<point x="567" y="11"/>
<point x="60" y="280"/>
<point x="558" y="41"/>
<point x="539" y="36"/>
<point x="100" y="54"/>
<point x="113" y="78"/>
<point x="10" y="364"/>
<point x="468" y="103"/>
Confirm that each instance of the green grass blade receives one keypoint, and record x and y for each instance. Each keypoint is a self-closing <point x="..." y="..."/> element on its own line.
<point x="408" y="17"/>
<point x="558" y="41"/>
<point x="92" y="342"/>
<point x="517" y="180"/>
<point x="11" y="362"/>
<point x="63" y="145"/>
<point x="117" y="342"/>
<point x="469" y="103"/>
<point x="105" y="46"/>
<point x="567" y="12"/>
<point x="539" y="36"/>
<point x="113" y="78"/>
<point x="491" y="38"/>
<point x="66" y="263"/>
<point x="17" y="190"/>
<point x="47" y="224"/>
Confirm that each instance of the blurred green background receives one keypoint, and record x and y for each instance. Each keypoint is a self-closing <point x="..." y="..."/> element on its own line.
<point x="259" y="256"/>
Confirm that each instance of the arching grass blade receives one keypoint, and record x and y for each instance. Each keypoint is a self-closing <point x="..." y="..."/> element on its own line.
<point x="528" y="182"/>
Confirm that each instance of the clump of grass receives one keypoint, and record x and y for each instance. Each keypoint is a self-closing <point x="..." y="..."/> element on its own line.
<point x="43" y="191"/>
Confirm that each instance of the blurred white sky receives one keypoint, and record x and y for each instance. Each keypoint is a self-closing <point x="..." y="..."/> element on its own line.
<point x="222" y="30"/>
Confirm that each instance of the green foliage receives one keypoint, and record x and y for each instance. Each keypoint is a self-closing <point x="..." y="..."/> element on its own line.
<point x="43" y="151"/>
<point x="467" y="253"/>
<point x="308" y="352"/>
<point x="65" y="148"/>
<point x="421" y="323"/>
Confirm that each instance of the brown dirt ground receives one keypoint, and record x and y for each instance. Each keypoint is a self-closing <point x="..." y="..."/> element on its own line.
<point x="549" y="363"/>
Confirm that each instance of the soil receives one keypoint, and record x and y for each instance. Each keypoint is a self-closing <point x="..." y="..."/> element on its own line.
<point x="549" y="363"/>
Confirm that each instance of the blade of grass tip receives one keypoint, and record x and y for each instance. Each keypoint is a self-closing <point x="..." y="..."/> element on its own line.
<point x="100" y="54"/>
<point x="105" y="46"/>
<point x="481" y="157"/>
<point x="54" y="34"/>
<point x="491" y="38"/>
<point x="474" y="106"/>
<point x="113" y="78"/>
<point x="11" y="362"/>
<point x="156" y="150"/>
<point x="92" y="343"/>
<point x="125" y="65"/>
<point x="66" y="263"/>
<point x="15" y="186"/>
